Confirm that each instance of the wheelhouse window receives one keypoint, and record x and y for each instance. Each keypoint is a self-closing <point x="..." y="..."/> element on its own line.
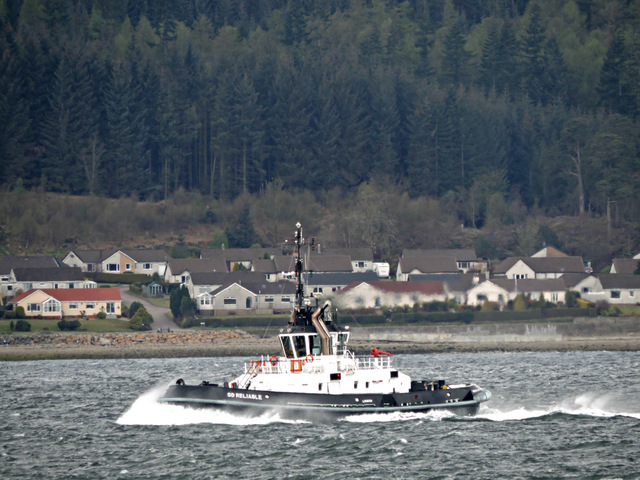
<point x="286" y="346"/>
<point x="342" y="342"/>
<point x="300" y="345"/>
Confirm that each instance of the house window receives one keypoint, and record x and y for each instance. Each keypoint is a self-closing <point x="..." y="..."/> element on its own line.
<point x="5" y="279"/>
<point x="90" y="267"/>
<point x="72" y="285"/>
<point x="33" y="307"/>
<point x="317" y="289"/>
<point x="127" y="267"/>
<point x="482" y="298"/>
<point x="361" y="264"/>
<point x="520" y="276"/>
<point x="147" y="266"/>
<point x="91" y="305"/>
<point x="73" y="306"/>
<point x="113" y="267"/>
<point x="286" y="299"/>
<point x="230" y="301"/>
<point x="111" y="307"/>
<point x="51" y="305"/>
<point x="615" y="293"/>
<point x="268" y="299"/>
<point x="206" y="300"/>
<point x="631" y="293"/>
<point x="585" y="289"/>
<point x="55" y="285"/>
<point x="554" y="297"/>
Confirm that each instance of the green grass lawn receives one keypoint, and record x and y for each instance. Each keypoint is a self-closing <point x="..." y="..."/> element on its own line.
<point x="93" y="325"/>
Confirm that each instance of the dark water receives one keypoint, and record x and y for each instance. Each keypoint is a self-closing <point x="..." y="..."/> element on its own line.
<point x="553" y="415"/>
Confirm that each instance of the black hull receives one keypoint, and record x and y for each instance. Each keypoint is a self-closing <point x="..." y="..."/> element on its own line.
<point x="460" y="400"/>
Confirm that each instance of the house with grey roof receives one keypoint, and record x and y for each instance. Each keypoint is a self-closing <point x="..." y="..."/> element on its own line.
<point x="538" y="267"/>
<point x="248" y="298"/>
<point x="624" y="266"/>
<point x="143" y="261"/>
<point x="389" y="294"/>
<point x="179" y="269"/>
<point x="7" y="264"/>
<point x="620" y="289"/>
<point x="239" y="258"/>
<point x="586" y="285"/>
<point x="501" y="290"/>
<point x="425" y="266"/>
<point x="87" y="260"/>
<point x="361" y="258"/>
<point x="205" y="282"/>
<point x="38" y="278"/>
<point x="328" y="284"/>
<point x="466" y="258"/>
<point x="286" y="265"/>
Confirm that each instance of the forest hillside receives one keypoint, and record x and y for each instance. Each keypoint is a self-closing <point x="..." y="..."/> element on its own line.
<point x="398" y="124"/>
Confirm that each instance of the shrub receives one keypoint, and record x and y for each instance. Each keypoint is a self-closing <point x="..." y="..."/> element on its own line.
<point x="136" y="289"/>
<point x="101" y="315"/>
<point x="22" y="326"/>
<point x="133" y="308"/>
<point x="20" y="312"/>
<point x="68" y="325"/>
<point x="141" y="320"/>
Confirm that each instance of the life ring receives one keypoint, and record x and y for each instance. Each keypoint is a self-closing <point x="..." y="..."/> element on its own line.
<point x="273" y="360"/>
<point x="309" y="358"/>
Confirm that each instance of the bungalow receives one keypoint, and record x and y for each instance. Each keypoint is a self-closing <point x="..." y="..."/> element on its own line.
<point x="624" y="266"/>
<point x="539" y="267"/>
<point x="425" y="266"/>
<point x="259" y="298"/>
<point x="466" y="258"/>
<point x="69" y="302"/>
<point x="620" y="289"/>
<point x="361" y="258"/>
<point x="179" y="269"/>
<point x="389" y="294"/>
<point x="502" y="290"/>
<point x="205" y="282"/>
<point x="588" y="286"/>
<point x="238" y="258"/>
<point x="327" y="284"/>
<point x="286" y="265"/>
<point x="87" y="260"/>
<point x="144" y="261"/>
<point x="7" y="264"/>
<point x="66" y="277"/>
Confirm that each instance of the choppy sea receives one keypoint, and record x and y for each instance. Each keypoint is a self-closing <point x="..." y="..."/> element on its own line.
<point x="552" y="415"/>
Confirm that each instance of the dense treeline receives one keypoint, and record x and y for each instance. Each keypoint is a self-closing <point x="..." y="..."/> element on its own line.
<point x="477" y="105"/>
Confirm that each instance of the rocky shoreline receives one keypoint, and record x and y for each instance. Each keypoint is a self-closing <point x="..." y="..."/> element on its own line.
<point x="216" y="343"/>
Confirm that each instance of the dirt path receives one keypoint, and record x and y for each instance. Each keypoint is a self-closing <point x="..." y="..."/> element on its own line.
<point x="161" y="318"/>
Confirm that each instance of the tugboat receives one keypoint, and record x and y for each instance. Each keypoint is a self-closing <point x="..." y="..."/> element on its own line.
<point x="316" y="374"/>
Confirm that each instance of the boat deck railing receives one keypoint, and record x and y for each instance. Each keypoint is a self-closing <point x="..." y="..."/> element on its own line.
<point x="347" y="361"/>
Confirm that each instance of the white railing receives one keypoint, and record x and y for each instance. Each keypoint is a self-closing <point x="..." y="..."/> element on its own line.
<point x="296" y="365"/>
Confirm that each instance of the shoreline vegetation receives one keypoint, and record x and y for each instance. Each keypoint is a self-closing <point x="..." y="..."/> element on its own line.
<point x="239" y="343"/>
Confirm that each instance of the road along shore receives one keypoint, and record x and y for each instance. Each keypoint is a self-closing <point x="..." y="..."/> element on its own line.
<point x="593" y="334"/>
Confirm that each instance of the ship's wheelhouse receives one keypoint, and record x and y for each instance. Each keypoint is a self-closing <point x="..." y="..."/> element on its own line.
<point x="299" y="345"/>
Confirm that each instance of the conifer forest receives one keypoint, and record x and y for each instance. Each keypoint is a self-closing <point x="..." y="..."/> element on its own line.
<point x="474" y="113"/>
